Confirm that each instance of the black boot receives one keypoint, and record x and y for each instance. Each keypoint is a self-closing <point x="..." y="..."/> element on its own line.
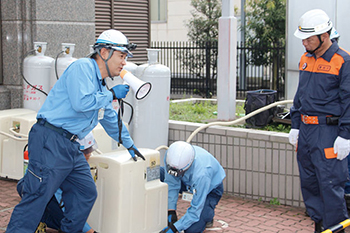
<point x="318" y="227"/>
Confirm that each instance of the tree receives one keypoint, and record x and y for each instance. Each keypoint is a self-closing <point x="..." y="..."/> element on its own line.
<point x="204" y="25"/>
<point x="266" y="20"/>
<point x="203" y="30"/>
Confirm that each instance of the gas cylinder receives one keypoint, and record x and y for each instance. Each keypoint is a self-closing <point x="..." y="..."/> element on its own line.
<point x="36" y="70"/>
<point x="149" y="128"/>
<point x="62" y="62"/>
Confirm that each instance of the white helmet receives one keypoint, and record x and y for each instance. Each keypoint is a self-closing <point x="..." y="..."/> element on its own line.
<point x="334" y="34"/>
<point x="116" y="40"/>
<point x="312" y="23"/>
<point x="180" y="156"/>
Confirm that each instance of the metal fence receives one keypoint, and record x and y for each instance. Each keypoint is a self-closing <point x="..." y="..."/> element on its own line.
<point x="193" y="67"/>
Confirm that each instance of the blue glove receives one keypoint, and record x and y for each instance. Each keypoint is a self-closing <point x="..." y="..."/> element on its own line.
<point x="134" y="151"/>
<point x="169" y="229"/>
<point x="120" y="91"/>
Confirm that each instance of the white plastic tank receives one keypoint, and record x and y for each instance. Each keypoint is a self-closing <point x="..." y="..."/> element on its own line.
<point x="36" y="70"/>
<point x="7" y="123"/>
<point x="131" y="198"/>
<point x="13" y="146"/>
<point x="149" y="127"/>
<point x="65" y="58"/>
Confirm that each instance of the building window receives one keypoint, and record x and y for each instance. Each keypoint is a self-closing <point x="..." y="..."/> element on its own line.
<point x="158" y="11"/>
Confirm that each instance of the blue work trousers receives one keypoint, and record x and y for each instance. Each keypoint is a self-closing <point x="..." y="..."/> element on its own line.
<point x="54" y="162"/>
<point x="208" y="211"/>
<point x="322" y="179"/>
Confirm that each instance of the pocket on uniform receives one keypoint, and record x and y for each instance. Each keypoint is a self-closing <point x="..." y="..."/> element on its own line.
<point x="329" y="153"/>
<point x="35" y="177"/>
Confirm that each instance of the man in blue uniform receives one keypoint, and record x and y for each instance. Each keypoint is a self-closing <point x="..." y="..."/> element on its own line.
<point x="203" y="177"/>
<point x="321" y="120"/>
<point x="74" y="106"/>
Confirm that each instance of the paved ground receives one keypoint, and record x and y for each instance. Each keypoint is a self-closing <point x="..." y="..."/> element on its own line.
<point x="233" y="214"/>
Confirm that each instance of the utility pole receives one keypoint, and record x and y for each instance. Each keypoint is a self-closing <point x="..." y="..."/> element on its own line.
<point x="242" y="65"/>
<point x="227" y="62"/>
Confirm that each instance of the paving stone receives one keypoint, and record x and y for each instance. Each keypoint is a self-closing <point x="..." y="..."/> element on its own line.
<point x="233" y="214"/>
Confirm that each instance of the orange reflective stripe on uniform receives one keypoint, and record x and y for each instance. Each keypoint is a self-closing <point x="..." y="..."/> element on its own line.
<point x="321" y="65"/>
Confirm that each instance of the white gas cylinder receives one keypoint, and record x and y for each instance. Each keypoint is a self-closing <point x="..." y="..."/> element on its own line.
<point x="36" y="70"/>
<point x="62" y="62"/>
<point x="149" y="127"/>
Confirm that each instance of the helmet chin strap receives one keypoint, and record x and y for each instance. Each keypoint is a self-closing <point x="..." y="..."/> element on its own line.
<point x="320" y="44"/>
<point x="106" y="60"/>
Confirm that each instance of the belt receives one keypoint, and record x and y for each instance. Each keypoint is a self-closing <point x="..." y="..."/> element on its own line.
<point x="309" y="120"/>
<point x="315" y="120"/>
<point x="63" y="132"/>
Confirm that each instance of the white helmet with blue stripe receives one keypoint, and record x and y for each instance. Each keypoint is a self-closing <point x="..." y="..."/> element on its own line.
<point x="116" y="40"/>
<point x="334" y="34"/>
<point x="312" y="23"/>
<point x="179" y="159"/>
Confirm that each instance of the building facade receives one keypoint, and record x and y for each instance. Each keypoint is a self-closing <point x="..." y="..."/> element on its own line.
<point x="24" y="22"/>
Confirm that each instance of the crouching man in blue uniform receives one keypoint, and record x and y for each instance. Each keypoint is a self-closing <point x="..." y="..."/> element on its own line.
<point x="321" y="121"/>
<point x="75" y="105"/>
<point x="202" y="175"/>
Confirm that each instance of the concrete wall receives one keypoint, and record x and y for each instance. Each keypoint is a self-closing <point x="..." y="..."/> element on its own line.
<point x="26" y="21"/>
<point x="259" y="164"/>
<point x="337" y="10"/>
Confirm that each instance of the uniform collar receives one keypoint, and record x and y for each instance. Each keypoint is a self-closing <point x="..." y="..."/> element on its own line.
<point x="329" y="53"/>
<point x="98" y="74"/>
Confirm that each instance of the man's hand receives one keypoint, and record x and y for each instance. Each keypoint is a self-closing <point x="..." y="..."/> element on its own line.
<point x="293" y="136"/>
<point x="169" y="229"/>
<point x="341" y="147"/>
<point x="172" y="217"/>
<point x="120" y="91"/>
<point x="134" y="151"/>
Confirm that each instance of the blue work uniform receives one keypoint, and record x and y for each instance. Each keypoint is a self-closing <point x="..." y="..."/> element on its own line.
<point x="323" y="91"/>
<point x="204" y="179"/>
<point x="74" y="106"/>
<point x="54" y="210"/>
<point x="54" y="213"/>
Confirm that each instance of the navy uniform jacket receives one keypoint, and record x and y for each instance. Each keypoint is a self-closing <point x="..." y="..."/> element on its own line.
<point x="324" y="88"/>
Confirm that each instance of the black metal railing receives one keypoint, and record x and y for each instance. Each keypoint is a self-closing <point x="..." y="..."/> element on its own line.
<point x="193" y="67"/>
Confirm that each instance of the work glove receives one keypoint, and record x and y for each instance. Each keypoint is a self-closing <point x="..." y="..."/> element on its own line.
<point x="293" y="136"/>
<point x="134" y="151"/>
<point x="169" y="229"/>
<point x="341" y="147"/>
<point x="120" y="91"/>
<point x="172" y="217"/>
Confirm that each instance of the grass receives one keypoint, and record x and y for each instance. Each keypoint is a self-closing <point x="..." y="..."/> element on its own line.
<point x="206" y="111"/>
<point x="197" y="112"/>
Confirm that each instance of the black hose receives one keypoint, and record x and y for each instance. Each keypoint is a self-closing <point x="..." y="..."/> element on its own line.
<point x="56" y="64"/>
<point x="132" y="111"/>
